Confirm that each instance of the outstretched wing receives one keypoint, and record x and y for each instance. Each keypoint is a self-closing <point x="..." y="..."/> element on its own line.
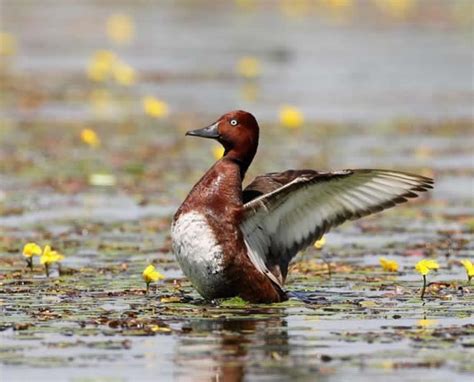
<point x="278" y="224"/>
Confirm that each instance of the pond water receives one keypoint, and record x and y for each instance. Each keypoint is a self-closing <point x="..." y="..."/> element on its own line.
<point x="378" y="87"/>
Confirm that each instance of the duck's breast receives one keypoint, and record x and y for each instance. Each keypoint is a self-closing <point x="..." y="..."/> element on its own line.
<point x="198" y="253"/>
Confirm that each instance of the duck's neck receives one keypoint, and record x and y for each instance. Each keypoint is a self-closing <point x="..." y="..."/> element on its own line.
<point x="242" y="156"/>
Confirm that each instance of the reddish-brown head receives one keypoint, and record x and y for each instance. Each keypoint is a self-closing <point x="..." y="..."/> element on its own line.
<point x="237" y="131"/>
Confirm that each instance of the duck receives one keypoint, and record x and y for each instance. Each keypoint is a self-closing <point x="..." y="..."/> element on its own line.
<point x="232" y="241"/>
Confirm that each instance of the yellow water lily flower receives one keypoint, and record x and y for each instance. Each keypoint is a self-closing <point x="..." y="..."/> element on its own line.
<point x="151" y="274"/>
<point x="318" y="244"/>
<point x="155" y="107"/>
<point x="426" y="265"/>
<point x="31" y="249"/>
<point x="90" y="137"/>
<point x="8" y="45"/>
<point x="248" y="67"/>
<point x="469" y="268"/>
<point x="120" y="28"/>
<point x="101" y="65"/>
<point x="291" y="117"/>
<point x="102" y="180"/>
<point x="388" y="265"/>
<point x="218" y="152"/>
<point x="123" y="73"/>
<point x="396" y="8"/>
<point x="49" y="257"/>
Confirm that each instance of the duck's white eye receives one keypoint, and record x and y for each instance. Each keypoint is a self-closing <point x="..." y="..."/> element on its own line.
<point x="233" y="122"/>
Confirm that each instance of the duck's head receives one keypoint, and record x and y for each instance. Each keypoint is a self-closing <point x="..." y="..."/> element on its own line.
<point x="237" y="131"/>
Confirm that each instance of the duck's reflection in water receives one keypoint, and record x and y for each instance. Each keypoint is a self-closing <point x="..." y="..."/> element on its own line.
<point x="229" y="349"/>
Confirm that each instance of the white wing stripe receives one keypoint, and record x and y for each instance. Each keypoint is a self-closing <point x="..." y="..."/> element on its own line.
<point x="278" y="224"/>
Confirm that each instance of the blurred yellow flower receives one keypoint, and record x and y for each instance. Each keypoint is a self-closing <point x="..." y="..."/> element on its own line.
<point x="388" y="265"/>
<point x="155" y="107"/>
<point x="425" y="323"/>
<point x="295" y="8"/>
<point x="426" y="265"/>
<point x="123" y="73"/>
<point x="90" y="137"/>
<point x="31" y="249"/>
<point x="120" y="28"/>
<point x="337" y="4"/>
<point x="396" y="8"/>
<point x="151" y="274"/>
<point x="291" y="117"/>
<point x="103" y="180"/>
<point x="49" y="256"/>
<point x="8" y="45"/>
<point x="469" y="268"/>
<point x="318" y="244"/>
<point x="101" y="65"/>
<point x="218" y="152"/>
<point x="248" y="67"/>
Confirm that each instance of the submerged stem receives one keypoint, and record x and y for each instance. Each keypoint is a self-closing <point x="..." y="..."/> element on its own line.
<point x="46" y="267"/>
<point x="147" y="288"/>
<point x="29" y="263"/>
<point x="424" y="287"/>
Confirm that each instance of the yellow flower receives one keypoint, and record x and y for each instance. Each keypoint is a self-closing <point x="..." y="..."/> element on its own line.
<point x="31" y="249"/>
<point x="396" y="8"/>
<point x="469" y="268"/>
<point x="337" y="4"/>
<point x="90" y="137"/>
<point x="318" y="244"/>
<point x="155" y="107"/>
<point x="248" y="67"/>
<point x="218" y="152"/>
<point x="102" y="179"/>
<point x="7" y="44"/>
<point x="123" y="73"/>
<point x="49" y="256"/>
<point x="101" y="65"/>
<point x="425" y="266"/>
<point x="425" y="323"/>
<point x="388" y="265"/>
<point x="120" y="28"/>
<point x="151" y="274"/>
<point x="291" y="117"/>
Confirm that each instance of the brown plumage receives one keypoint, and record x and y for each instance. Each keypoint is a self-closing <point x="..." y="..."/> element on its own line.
<point x="240" y="242"/>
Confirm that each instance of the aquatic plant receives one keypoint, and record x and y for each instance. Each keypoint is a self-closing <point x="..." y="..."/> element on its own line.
<point x="151" y="274"/>
<point x="49" y="257"/>
<point x="29" y="250"/>
<point x="90" y="137"/>
<point x="249" y="67"/>
<point x="319" y="244"/>
<point x="388" y="265"/>
<point x="291" y="117"/>
<point x="154" y="107"/>
<point x="424" y="267"/>
<point x="469" y="269"/>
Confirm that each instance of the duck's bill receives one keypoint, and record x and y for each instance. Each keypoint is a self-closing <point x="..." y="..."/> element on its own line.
<point x="206" y="132"/>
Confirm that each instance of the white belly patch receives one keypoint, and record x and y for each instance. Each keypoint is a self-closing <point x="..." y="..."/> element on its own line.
<point x="198" y="253"/>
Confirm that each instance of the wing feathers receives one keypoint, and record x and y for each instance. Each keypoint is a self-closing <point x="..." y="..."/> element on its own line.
<point x="285" y="220"/>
